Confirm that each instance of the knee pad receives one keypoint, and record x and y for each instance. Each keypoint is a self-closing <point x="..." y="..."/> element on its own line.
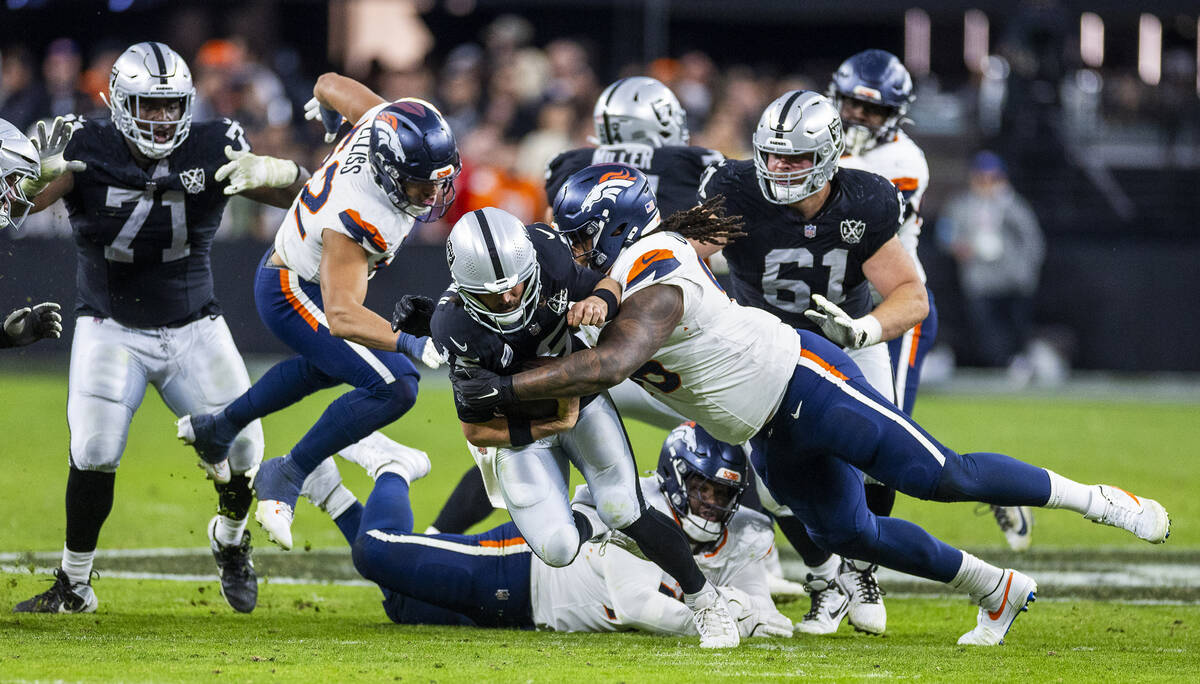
<point x="246" y="452"/>
<point x="101" y="452"/>
<point x="559" y="547"/>
<point x="618" y="512"/>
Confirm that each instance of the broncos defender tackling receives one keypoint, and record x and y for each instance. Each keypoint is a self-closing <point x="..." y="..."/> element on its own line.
<point x="396" y="165"/>
<point x="816" y="424"/>
<point x="145" y="192"/>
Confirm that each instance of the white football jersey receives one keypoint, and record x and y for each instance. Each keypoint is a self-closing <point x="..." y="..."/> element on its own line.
<point x="342" y="196"/>
<point x="724" y="366"/>
<point x="607" y="589"/>
<point x="903" y="163"/>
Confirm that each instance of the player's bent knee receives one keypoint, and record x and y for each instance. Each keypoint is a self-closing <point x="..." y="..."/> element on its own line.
<point x="618" y="514"/>
<point x="246" y="452"/>
<point x="559" y="547"/>
<point x="364" y="559"/>
<point x="100" y="452"/>
<point x="398" y="396"/>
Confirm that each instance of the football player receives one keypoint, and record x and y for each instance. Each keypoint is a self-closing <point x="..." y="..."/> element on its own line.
<point x="395" y="166"/>
<point x="815" y="423"/>
<point x="19" y="160"/>
<point x="145" y="192"/>
<point x="495" y="579"/>
<point x="510" y="306"/>
<point x="819" y="241"/>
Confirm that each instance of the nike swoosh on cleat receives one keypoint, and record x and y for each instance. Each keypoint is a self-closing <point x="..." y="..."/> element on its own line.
<point x="1004" y="601"/>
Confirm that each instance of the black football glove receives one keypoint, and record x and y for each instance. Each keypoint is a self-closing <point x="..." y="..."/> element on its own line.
<point x="412" y="315"/>
<point x="481" y="390"/>
<point x="30" y="324"/>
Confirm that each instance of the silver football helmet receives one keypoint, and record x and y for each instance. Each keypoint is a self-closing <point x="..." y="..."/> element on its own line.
<point x="796" y="123"/>
<point x="640" y="109"/>
<point x="151" y="70"/>
<point x="489" y="252"/>
<point x="19" y="160"/>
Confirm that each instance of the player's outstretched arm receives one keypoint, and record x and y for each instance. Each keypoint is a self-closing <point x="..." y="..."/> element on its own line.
<point x="892" y="273"/>
<point x="264" y="179"/>
<point x="343" y="289"/>
<point x="345" y="95"/>
<point x="56" y="177"/>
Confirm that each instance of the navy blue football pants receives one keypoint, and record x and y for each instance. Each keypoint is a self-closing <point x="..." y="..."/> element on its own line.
<point x="477" y="579"/>
<point x="832" y="427"/>
<point x="385" y="382"/>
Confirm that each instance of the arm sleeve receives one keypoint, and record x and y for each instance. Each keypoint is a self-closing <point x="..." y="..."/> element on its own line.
<point x="633" y="587"/>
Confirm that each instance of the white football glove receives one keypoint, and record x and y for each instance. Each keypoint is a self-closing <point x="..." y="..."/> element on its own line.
<point x="753" y="622"/>
<point x="331" y="119"/>
<point x="430" y="356"/>
<point x="50" y="146"/>
<point x="248" y="171"/>
<point x="840" y="328"/>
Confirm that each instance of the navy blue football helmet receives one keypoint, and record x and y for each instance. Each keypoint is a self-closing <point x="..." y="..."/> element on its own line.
<point x="690" y="459"/>
<point x="412" y="143"/>
<point x="875" y="78"/>
<point x="603" y="209"/>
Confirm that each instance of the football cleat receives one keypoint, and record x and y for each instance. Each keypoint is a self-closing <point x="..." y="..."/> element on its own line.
<point x="378" y="454"/>
<point x="1016" y="591"/>
<point x="1017" y="524"/>
<point x="277" y="495"/>
<point x="201" y="432"/>
<point x="710" y="614"/>
<point x="239" y="584"/>
<point x="1114" y="506"/>
<point x="866" y="612"/>
<point x="62" y="597"/>
<point x="829" y="605"/>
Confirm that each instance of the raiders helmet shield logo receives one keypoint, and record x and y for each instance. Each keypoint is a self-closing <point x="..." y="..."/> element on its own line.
<point x="450" y="253"/>
<point x="852" y="230"/>
<point x="193" y="181"/>
<point x="558" y="303"/>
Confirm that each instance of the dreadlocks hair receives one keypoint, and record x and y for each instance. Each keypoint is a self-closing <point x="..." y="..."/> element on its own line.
<point x="706" y="223"/>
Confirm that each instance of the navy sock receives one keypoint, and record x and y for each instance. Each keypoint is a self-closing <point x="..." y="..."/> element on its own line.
<point x="349" y="522"/>
<point x="388" y="507"/>
<point x="286" y="383"/>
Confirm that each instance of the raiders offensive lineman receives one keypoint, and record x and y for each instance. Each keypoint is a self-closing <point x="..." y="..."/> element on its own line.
<point x="510" y="305"/>
<point x="818" y="240"/>
<point x="493" y="579"/>
<point x="145" y="192"/>
<point x="815" y="422"/>
<point x="19" y="161"/>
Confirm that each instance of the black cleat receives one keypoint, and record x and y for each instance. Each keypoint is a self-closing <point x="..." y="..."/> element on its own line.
<point x="239" y="584"/>
<point x="62" y="597"/>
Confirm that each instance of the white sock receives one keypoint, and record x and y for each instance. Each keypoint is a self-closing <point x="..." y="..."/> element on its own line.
<point x="979" y="579"/>
<point x="338" y="502"/>
<point x="827" y="570"/>
<point x="77" y="565"/>
<point x="691" y="599"/>
<point x="431" y="530"/>
<point x="1069" y="494"/>
<point x="229" y="531"/>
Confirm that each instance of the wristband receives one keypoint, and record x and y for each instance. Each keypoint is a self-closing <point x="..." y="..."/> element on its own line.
<point x="608" y="298"/>
<point x="409" y="344"/>
<point x="520" y="432"/>
<point x="872" y="330"/>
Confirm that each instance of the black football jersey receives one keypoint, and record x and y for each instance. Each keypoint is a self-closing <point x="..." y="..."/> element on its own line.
<point x="674" y="171"/>
<point x="469" y="344"/>
<point x="784" y="259"/>
<point x="143" y="236"/>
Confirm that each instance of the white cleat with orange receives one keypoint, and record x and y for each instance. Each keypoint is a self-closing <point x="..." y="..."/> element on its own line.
<point x="1011" y="598"/>
<point x="1144" y="517"/>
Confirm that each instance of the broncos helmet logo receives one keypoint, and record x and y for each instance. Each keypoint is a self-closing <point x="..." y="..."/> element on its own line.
<point x="610" y="186"/>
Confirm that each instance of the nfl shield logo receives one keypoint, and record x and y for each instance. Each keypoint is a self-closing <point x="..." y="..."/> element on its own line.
<point x="810" y="231"/>
<point x="852" y="230"/>
<point x="193" y="181"/>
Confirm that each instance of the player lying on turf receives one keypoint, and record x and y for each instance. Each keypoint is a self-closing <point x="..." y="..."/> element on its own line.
<point x="815" y="423"/>
<point x="494" y="579"/>
<point x="509" y="306"/>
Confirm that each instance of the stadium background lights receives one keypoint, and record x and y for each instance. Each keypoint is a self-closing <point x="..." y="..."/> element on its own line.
<point x="975" y="40"/>
<point x="916" y="42"/>
<point x="1149" y="49"/>
<point x="1091" y="39"/>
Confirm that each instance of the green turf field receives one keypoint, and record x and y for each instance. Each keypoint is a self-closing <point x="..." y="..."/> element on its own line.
<point x="174" y="630"/>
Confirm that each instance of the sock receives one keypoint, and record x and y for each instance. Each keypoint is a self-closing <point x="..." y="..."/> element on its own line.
<point x="594" y="522"/>
<point x="665" y="545"/>
<point x="350" y="521"/>
<point x="229" y="530"/>
<point x="979" y="579"/>
<point x="89" y="501"/>
<point x="690" y="599"/>
<point x="234" y="498"/>
<point x="78" y="565"/>
<point x="797" y="535"/>
<point x="583" y="525"/>
<point x="826" y="571"/>
<point x="283" y="385"/>
<point x="468" y="505"/>
<point x="1068" y="494"/>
